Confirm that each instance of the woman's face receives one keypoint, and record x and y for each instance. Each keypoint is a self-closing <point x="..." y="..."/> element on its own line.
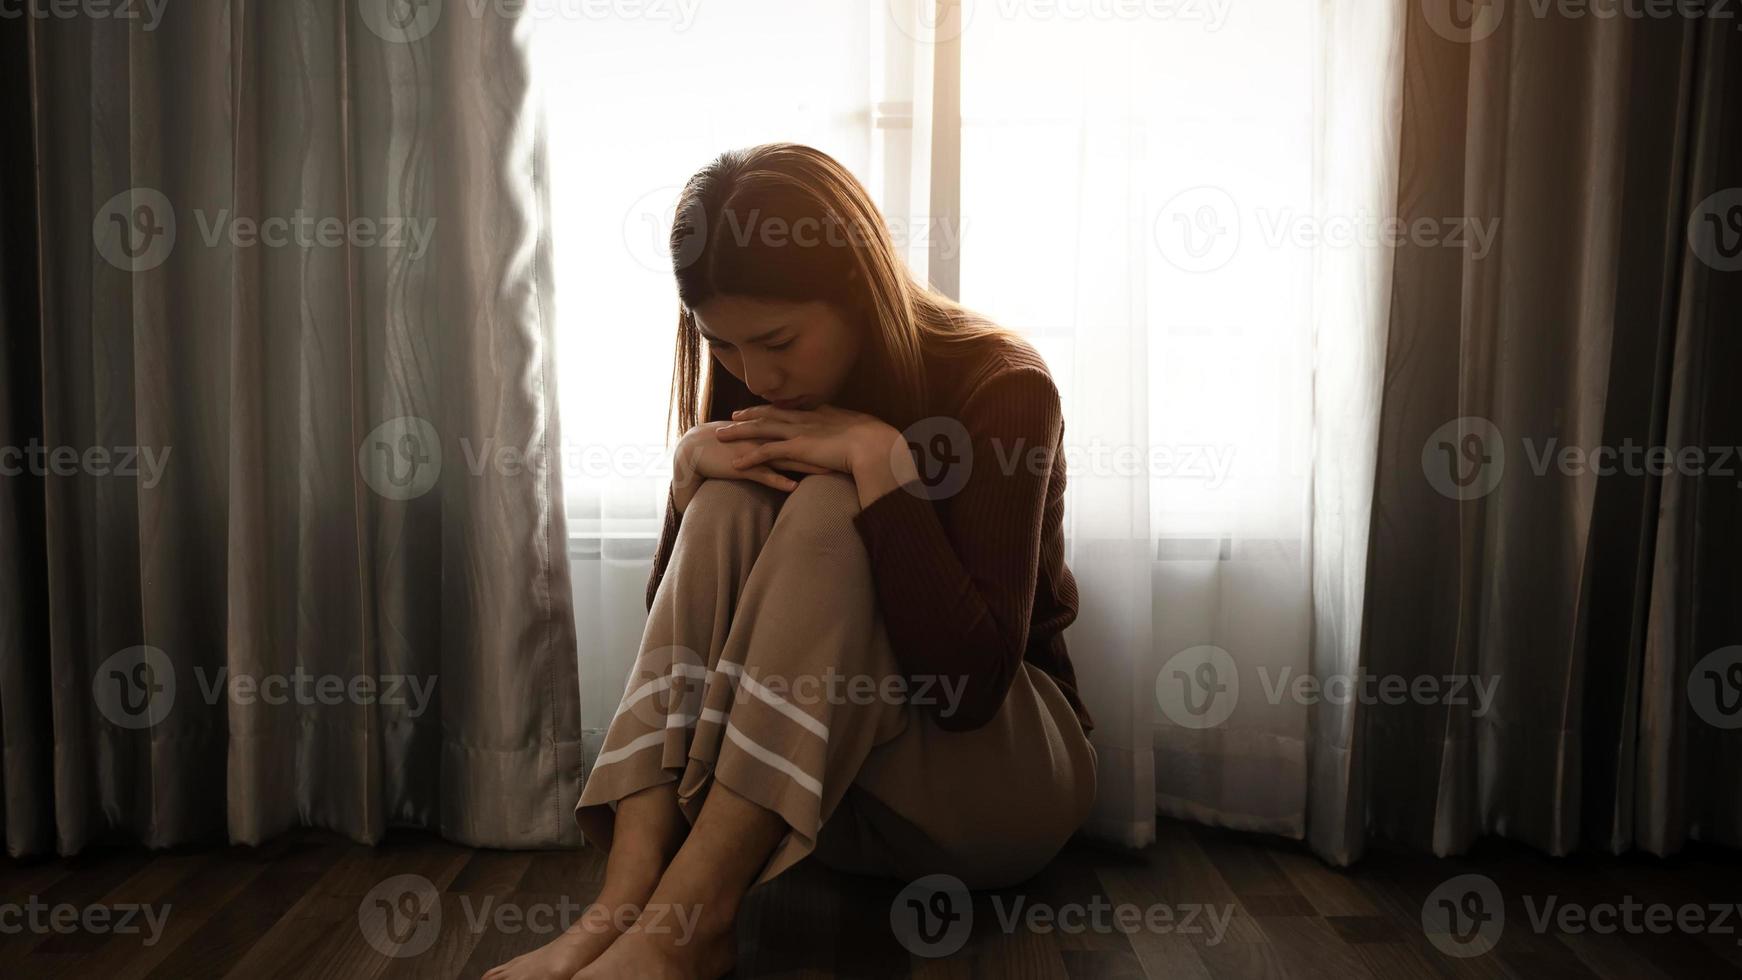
<point x="795" y="355"/>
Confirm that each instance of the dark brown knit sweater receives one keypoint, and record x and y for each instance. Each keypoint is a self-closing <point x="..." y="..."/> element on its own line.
<point x="974" y="582"/>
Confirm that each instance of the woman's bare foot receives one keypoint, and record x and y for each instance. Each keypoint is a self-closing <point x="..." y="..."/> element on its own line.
<point x="674" y="944"/>
<point x="605" y="919"/>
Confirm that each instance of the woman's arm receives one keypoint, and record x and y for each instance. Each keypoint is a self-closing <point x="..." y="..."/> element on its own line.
<point x="957" y="599"/>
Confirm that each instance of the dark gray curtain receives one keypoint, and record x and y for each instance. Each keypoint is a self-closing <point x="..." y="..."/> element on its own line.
<point x="312" y="577"/>
<point x="1607" y="314"/>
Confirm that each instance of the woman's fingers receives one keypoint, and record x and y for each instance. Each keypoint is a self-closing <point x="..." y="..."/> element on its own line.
<point x="769" y="412"/>
<point x="761" y="454"/>
<point x="800" y="466"/>
<point x="754" y="429"/>
<point x="769" y="477"/>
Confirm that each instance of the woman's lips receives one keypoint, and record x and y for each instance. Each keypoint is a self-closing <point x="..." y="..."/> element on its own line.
<point x="788" y="403"/>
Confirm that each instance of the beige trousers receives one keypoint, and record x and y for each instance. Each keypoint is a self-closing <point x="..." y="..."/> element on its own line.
<point x="765" y="666"/>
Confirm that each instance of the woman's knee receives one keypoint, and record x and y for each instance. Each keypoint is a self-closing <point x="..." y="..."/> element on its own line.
<point x="723" y="505"/>
<point x="823" y="505"/>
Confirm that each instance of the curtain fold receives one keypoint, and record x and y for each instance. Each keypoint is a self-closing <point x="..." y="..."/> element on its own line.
<point x="294" y="265"/>
<point x="1513" y="542"/>
<point x="1219" y="364"/>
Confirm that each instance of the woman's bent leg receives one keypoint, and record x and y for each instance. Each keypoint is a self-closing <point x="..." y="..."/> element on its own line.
<point x="789" y="709"/>
<point x="632" y="793"/>
<point x="647" y="743"/>
<point x="799" y="694"/>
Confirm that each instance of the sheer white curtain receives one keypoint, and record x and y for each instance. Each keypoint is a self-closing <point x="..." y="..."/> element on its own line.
<point x="1149" y="191"/>
<point x="632" y="107"/>
<point x="1184" y="207"/>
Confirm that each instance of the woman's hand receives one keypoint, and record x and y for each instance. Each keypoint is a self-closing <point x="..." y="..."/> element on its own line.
<point x="860" y="445"/>
<point x="702" y="455"/>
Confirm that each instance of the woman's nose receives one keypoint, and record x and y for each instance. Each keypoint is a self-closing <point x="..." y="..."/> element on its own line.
<point x="760" y="379"/>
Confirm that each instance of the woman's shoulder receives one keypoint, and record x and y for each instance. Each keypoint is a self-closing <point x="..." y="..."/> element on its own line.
<point x="999" y="368"/>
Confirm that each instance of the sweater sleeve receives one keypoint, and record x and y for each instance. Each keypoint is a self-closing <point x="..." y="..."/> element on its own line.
<point x="957" y="593"/>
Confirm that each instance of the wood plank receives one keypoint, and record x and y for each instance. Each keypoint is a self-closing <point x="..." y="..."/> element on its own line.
<point x="233" y="929"/>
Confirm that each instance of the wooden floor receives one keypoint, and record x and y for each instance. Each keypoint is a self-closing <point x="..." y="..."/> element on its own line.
<point x="291" y="909"/>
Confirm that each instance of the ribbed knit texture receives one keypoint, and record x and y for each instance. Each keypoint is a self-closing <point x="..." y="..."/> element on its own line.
<point x="971" y="584"/>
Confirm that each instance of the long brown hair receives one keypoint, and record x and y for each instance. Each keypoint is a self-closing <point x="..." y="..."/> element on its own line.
<point x="721" y="245"/>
